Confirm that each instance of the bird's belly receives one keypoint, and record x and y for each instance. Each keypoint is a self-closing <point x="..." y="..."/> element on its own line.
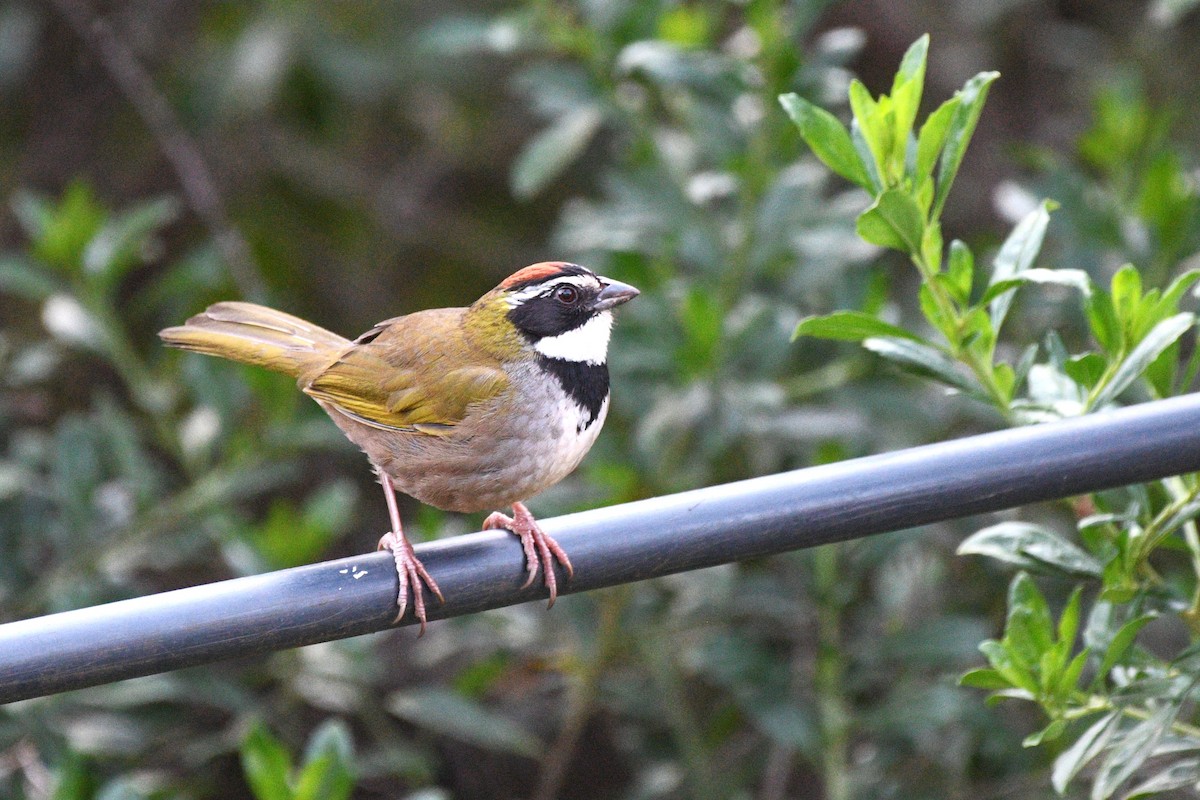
<point x="483" y="464"/>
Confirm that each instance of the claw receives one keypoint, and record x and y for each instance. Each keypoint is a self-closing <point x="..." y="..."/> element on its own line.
<point x="540" y="548"/>
<point x="411" y="573"/>
<point x="409" y="569"/>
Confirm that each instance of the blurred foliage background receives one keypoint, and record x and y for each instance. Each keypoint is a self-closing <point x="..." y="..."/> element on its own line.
<point x="350" y="162"/>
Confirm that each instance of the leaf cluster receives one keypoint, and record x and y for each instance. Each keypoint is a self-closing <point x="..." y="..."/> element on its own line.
<point x="1142" y="345"/>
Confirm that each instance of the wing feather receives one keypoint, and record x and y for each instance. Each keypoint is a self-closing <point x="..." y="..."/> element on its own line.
<point x="401" y="377"/>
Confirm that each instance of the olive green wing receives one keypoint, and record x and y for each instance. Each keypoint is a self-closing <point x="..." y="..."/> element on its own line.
<point x="410" y="376"/>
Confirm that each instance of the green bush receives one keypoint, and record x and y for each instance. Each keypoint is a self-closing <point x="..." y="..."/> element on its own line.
<point x="1123" y="705"/>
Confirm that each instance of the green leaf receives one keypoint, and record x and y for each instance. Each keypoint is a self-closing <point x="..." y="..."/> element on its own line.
<point x="1174" y="293"/>
<point x="1179" y="517"/>
<point x="978" y="334"/>
<point x="1160" y="337"/>
<point x="961" y="271"/>
<point x="827" y="138"/>
<point x="988" y="679"/>
<point x="1012" y="669"/>
<point x="923" y="194"/>
<point x="59" y="233"/>
<point x="1121" y="642"/>
<point x="875" y="132"/>
<point x="324" y="778"/>
<point x="931" y="246"/>
<point x="849" y="326"/>
<point x="1031" y="546"/>
<point x="1006" y="380"/>
<point x="549" y="153"/>
<point x="997" y="289"/>
<point x="327" y="771"/>
<point x="933" y="313"/>
<point x="1027" y="637"/>
<point x="1029" y="626"/>
<point x="1068" y="622"/>
<point x="894" y="220"/>
<point x="1086" y="369"/>
<point x="906" y="89"/>
<point x="1118" y="590"/>
<point x="1103" y="321"/>
<point x="1127" y="295"/>
<point x="1086" y="747"/>
<point x="921" y="358"/>
<point x="1050" y="666"/>
<point x="446" y="713"/>
<point x="862" y="105"/>
<point x="1047" y="734"/>
<point x="1016" y="256"/>
<point x="962" y="125"/>
<point x="1070" y="676"/>
<point x="912" y="65"/>
<point x="1011" y="694"/>
<point x="865" y="156"/>
<point x="267" y="765"/>
<point x="933" y="136"/>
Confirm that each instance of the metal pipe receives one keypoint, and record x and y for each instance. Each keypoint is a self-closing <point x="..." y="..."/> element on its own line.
<point x="608" y="546"/>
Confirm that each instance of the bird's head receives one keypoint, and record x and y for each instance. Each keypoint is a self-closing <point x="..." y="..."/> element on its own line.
<point x="560" y="311"/>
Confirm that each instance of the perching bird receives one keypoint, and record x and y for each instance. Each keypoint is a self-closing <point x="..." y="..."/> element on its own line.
<point x="463" y="408"/>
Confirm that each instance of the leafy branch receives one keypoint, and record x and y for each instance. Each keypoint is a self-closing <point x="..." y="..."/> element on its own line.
<point x="1140" y="335"/>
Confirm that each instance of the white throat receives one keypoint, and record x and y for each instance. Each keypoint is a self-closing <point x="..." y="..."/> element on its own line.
<point x="587" y="343"/>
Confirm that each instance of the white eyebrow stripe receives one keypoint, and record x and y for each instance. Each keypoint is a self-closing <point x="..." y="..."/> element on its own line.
<point x="538" y="289"/>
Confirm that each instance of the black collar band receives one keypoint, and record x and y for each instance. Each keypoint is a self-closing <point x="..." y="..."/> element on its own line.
<point x="584" y="382"/>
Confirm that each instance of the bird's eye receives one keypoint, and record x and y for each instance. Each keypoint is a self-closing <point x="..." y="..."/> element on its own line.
<point x="567" y="295"/>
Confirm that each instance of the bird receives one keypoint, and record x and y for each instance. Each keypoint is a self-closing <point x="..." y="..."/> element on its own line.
<point x="464" y="409"/>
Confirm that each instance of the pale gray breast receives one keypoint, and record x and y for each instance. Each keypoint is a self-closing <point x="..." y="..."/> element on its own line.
<point x="499" y="455"/>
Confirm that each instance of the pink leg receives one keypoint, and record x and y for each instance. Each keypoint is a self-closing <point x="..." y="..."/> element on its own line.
<point x="409" y="568"/>
<point x="540" y="549"/>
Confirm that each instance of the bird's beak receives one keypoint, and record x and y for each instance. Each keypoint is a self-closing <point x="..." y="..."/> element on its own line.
<point x="613" y="294"/>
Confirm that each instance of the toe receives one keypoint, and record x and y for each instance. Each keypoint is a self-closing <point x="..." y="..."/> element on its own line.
<point x="410" y="574"/>
<point x="496" y="521"/>
<point x="419" y="604"/>
<point x="423" y="576"/>
<point x="551" y="580"/>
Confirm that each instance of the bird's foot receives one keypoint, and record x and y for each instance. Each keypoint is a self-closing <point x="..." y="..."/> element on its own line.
<point x="411" y="573"/>
<point x="540" y="549"/>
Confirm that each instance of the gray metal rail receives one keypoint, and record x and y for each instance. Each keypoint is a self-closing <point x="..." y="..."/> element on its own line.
<point x="608" y="546"/>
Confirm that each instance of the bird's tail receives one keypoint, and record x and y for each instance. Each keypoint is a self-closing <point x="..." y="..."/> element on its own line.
<point x="257" y="335"/>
